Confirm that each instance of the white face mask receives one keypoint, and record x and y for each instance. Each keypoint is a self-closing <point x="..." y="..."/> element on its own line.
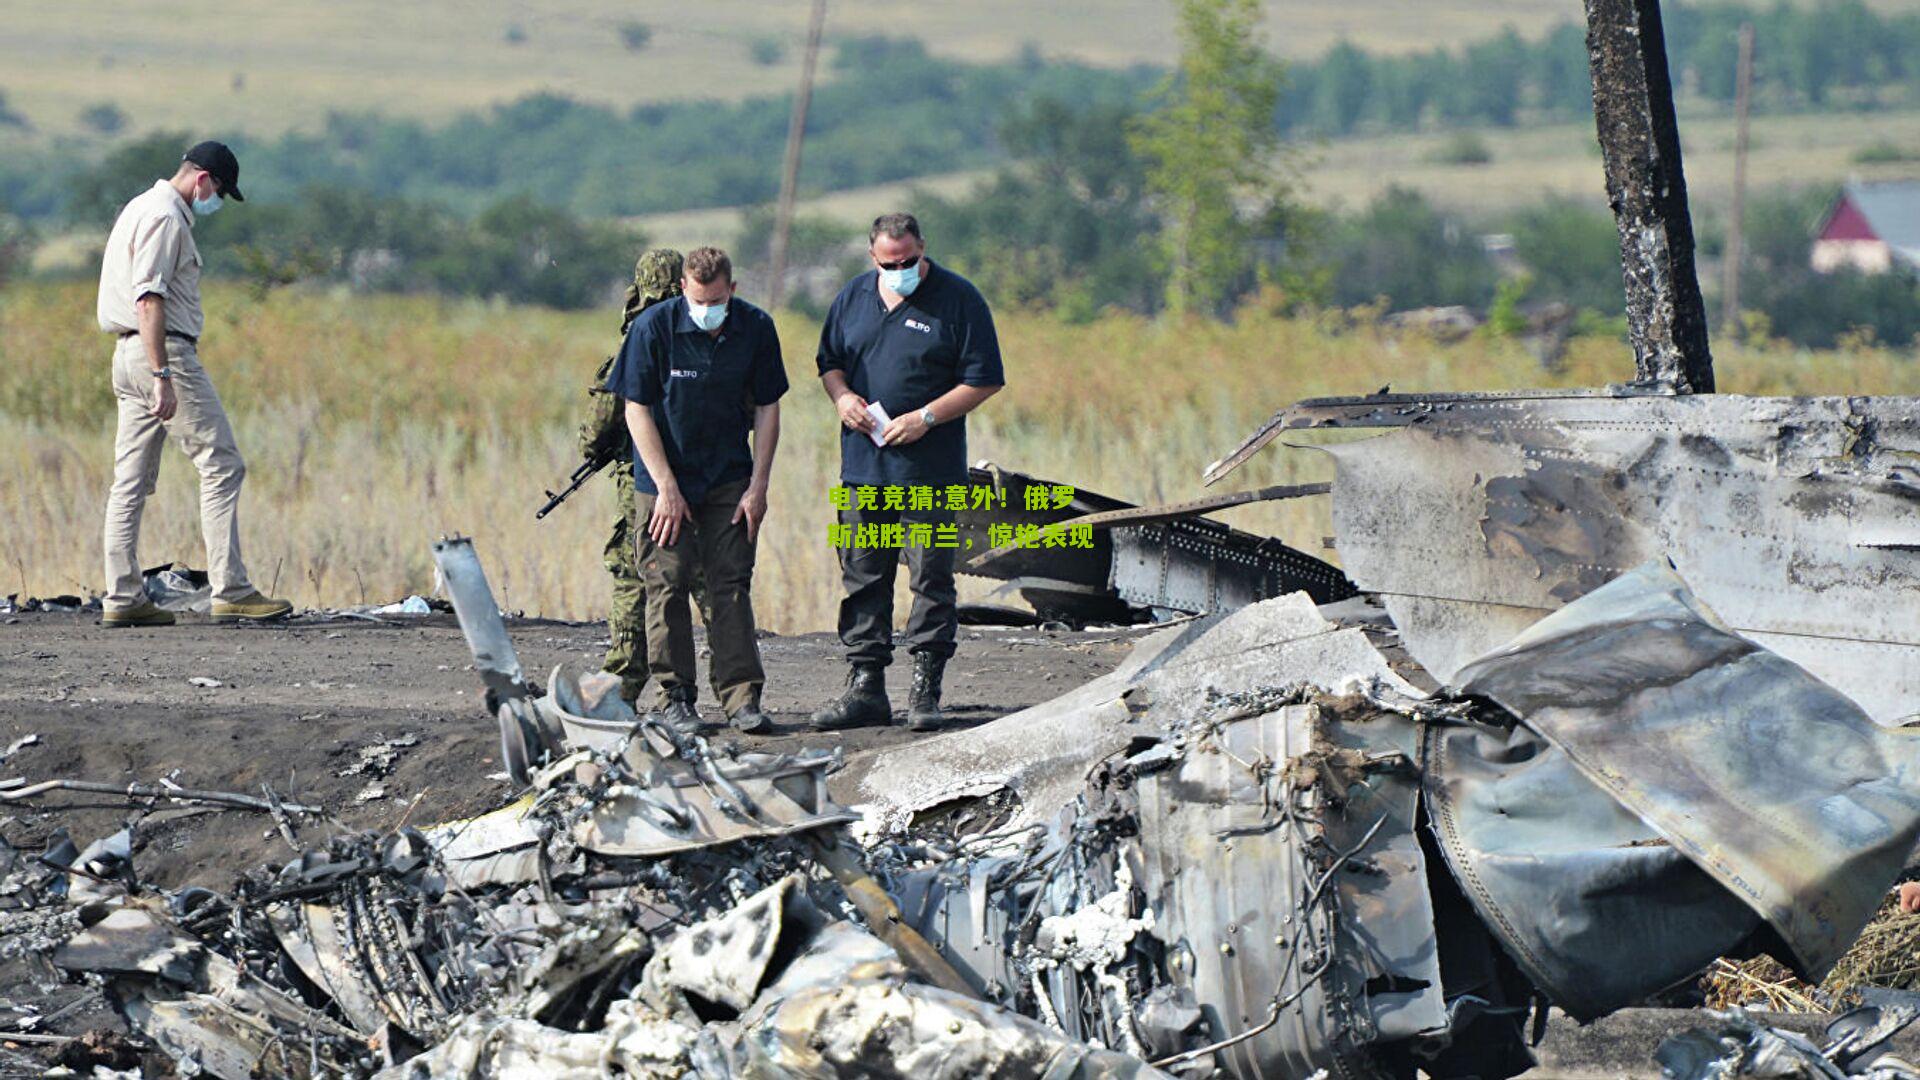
<point x="903" y="281"/>
<point x="707" y="316"/>
<point x="204" y="206"/>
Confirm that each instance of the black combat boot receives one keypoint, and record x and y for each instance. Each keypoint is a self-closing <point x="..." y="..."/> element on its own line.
<point x="750" y="719"/>
<point x="680" y="714"/>
<point x="923" y="699"/>
<point x="862" y="705"/>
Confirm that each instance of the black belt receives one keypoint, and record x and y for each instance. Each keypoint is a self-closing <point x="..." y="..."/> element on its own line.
<point x="188" y="338"/>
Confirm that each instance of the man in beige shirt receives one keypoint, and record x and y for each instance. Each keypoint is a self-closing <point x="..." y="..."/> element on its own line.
<point x="150" y="299"/>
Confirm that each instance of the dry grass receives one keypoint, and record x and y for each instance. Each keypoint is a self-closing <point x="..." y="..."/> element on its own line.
<point x="373" y="424"/>
<point x="1564" y="159"/>
<point x="263" y="69"/>
<point x="1887" y="954"/>
<point x="433" y="58"/>
<point x="1344" y="174"/>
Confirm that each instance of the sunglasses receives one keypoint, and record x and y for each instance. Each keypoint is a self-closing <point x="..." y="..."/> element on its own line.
<point x="900" y="265"/>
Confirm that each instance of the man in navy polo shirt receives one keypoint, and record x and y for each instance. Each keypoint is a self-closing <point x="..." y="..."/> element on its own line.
<point x="916" y="339"/>
<point x="698" y="373"/>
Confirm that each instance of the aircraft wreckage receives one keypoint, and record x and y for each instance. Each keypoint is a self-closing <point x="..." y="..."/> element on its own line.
<point x="1608" y="685"/>
<point x="1269" y="843"/>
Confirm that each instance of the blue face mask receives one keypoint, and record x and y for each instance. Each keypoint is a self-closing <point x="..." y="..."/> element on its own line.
<point x="707" y="316"/>
<point x="902" y="282"/>
<point x="203" y="207"/>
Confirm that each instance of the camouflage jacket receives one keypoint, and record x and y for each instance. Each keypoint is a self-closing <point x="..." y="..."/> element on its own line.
<point x="603" y="435"/>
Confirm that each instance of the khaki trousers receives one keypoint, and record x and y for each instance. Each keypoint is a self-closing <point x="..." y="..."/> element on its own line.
<point x="718" y="547"/>
<point x="199" y="427"/>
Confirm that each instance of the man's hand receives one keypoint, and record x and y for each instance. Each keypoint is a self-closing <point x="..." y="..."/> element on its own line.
<point x="853" y="411"/>
<point x="1910" y="896"/>
<point x="753" y="507"/>
<point x="669" y="510"/>
<point x="165" y="404"/>
<point x="902" y="430"/>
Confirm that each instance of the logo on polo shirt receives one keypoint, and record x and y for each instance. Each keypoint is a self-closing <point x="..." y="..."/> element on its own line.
<point x="682" y="373"/>
<point x="915" y="324"/>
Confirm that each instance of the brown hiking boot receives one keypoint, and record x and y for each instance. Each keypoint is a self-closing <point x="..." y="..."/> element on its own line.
<point x="146" y="613"/>
<point x="251" y="608"/>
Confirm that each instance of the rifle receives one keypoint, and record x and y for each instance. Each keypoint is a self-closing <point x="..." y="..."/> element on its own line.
<point x="580" y="476"/>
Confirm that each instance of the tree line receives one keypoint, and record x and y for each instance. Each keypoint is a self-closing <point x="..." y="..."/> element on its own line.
<point x="1808" y="56"/>
<point x="1142" y="190"/>
<point x="892" y="111"/>
<point x="1076" y="232"/>
<point x="887" y="111"/>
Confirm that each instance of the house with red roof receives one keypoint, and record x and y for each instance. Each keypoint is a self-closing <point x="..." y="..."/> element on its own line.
<point x="1871" y="228"/>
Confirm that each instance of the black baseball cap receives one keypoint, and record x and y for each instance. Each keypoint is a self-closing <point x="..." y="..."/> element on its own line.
<point x="218" y="160"/>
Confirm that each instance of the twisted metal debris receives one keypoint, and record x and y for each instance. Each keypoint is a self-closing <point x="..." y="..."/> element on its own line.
<point x="1277" y="848"/>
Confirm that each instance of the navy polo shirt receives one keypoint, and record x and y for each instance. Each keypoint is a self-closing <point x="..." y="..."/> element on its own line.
<point x="938" y="338"/>
<point x="701" y="389"/>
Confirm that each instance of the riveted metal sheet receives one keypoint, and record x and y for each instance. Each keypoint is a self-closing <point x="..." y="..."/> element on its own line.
<point x="1769" y="780"/>
<point x="1561" y="873"/>
<point x="1794" y="518"/>
<point x="1188" y="564"/>
<point x="1196" y="565"/>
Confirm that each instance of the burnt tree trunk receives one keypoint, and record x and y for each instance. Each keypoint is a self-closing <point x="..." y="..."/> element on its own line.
<point x="1640" y="143"/>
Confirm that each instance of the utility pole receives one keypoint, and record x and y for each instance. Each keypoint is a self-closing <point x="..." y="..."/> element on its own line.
<point x="1647" y="188"/>
<point x="1736" y="224"/>
<point x="790" y="169"/>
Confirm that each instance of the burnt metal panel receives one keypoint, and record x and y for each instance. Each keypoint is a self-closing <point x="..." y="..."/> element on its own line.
<point x="1196" y="565"/>
<point x="1080" y="566"/>
<point x="1562" y="874"/>
<point x="1267" y="893"/>
<point x="1769" y="780"/>
<point x="1165" y="562"/>
<point x="1041" y="754"/>
<point x="1797" y="519"/>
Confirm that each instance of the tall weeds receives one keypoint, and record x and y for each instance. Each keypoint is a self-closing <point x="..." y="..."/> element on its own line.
<point x="373" y="424"/>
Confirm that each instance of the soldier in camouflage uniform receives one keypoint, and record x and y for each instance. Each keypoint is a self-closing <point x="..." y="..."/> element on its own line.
<point x="656" y="277"/>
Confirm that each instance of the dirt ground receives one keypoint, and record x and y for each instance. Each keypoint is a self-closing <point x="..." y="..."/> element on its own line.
<point x="297" y="702"/>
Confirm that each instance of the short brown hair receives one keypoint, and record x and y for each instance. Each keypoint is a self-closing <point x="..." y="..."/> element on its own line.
<point x="895" y="226"/>
<point x="707" y="263"/>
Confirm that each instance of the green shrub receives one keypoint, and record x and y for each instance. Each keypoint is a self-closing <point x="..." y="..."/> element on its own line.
<point x="103" y="118"/>
<point x="1405" y="250"/>
<point x="635" y="35"/>
<point x="767" y="50"/>
<point x="1884" y="153"/>
<point x="1465" y="148"/>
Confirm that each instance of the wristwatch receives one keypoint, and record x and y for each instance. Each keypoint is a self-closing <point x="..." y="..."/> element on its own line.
<point x="161" y="373"/>
<point x="926" y="416"/>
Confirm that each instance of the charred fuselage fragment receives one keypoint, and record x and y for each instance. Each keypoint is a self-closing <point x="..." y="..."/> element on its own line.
<point x="1144" y="562"/>
<point x="1797" y="519"/>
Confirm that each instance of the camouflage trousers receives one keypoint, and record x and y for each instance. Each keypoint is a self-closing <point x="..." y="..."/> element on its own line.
<point x="627" y="619"/>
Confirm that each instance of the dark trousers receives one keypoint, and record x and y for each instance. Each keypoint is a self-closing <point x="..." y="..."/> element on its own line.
<point x="866" y="614"/>
<point x="718" y="547"/>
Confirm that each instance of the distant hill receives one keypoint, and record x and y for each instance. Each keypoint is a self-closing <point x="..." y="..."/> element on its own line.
<point x="264" y="68"/>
